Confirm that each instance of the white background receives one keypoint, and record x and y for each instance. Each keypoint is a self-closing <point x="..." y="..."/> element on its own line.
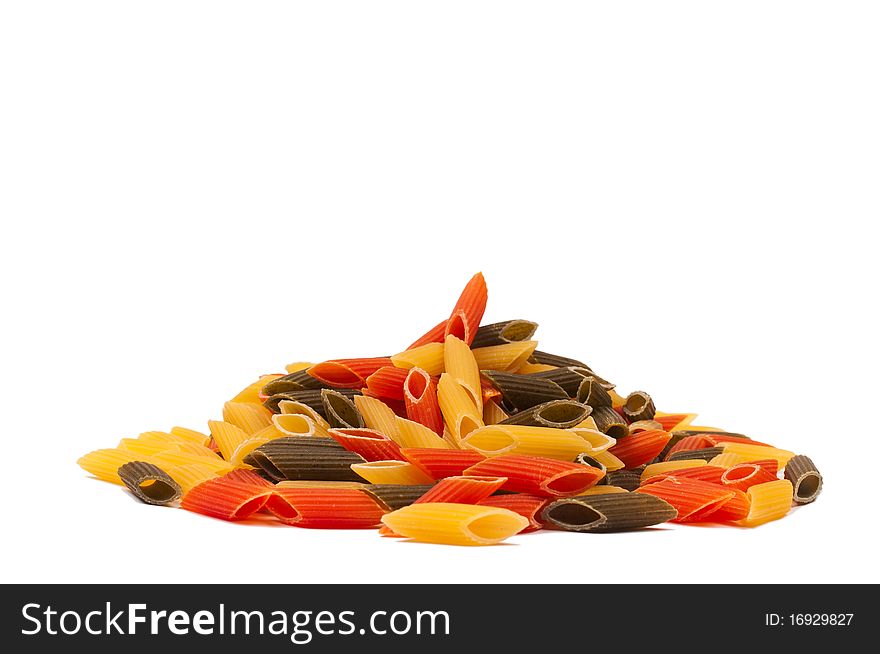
<point x="683" y="194"/>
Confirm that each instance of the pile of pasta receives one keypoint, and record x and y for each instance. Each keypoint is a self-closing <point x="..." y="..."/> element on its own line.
<point x="468" y="436"/>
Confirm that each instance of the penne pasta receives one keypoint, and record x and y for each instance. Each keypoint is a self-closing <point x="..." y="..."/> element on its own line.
<point x="387" y="383"/>
<point x="528" y="506"/>
<point x="149" y="483"/>
<point x="340" y="410"/>
<point x="592" y="393"/>
<point x="190" y="475"/>
<point x="228" y="498"/>
<point x="468" y="311"/>
<point x="555" y="360"/>
<point x="528" y="368"/>
<point x="413" y="434"/>
<point x="459" y="413"/>
<point x="247" y="416"/>
<point x="296" y="381"/>
<point x="391" y="472"/>
<point x="607" y="459"/>
<point x="347" y="373"/>
<point x="436" y="334"/>
<point x="325" y="508"/>
<point x="295" y="424"/>
<point x="509" y="331"/>
<point x="568" y="379"/>
<point x="745" y="475"/>
<point x="420" y="399"/>
<point x="368" y="443"/>
<point x="438" y="464"/>
<point x="769" y="501"/>
<point x="461" y="366"/>
<point x="227" y="436"/>
<point x="493" y="414"/>
<point x="429" y="358"/>
<point x="312" y="398"/>
<point x="626" y="479"/>
<point x="608" y="421"/>
<point x="691" y="498"/>
<point x="378" y="416"/>
<point x="455" y="524"/>
<point x="251" y="393"/>
<point x="521" y="392"/>
<point x="395" y="496"/>
<point x="495" y="440"/>
<point x="537" y="475"/>
<point x="638" y="406"/>
<point x="182" y="433"/>
<point x="728" y="459"/>
<point x="607" y="512"/>
<point x="595" y="440"/>
<point x="507" y="357"/>
<point x="559" y="414"/>
<point x="321" y="426"/>
<point x="805" y="478"/>
<point x="640" y="448"/>
<point x="706" y="454"/>
<point x="758" y="452"/>
<point x="462" y="489"/>
<point x="707" y="473"/>
<point x="298" y="458"/>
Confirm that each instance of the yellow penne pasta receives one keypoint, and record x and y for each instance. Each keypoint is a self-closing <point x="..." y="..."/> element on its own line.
<point x="191" y="475"/>
<point x="251" y="392"/>
<point x="602" y="490"/>
<point x="509" y="356"/>
<point x="493" y="414"/>
<point x="253" y="442"/>
<point x="757" y="452"/>
<point x="527" y="368"/>
<point x="459" y="413"/>
<point x="391" y="472"/>
<point x="460" y="365"/>
<point x="377" y="415"/>
<point x="769" y="501"/>
<point x="289" y="407"/>
<point x="294" y="424"/>
<point x="297" y="366"/>
<point x="414" y="434"/>
<point x="669" y="466"/>
<point x="247" y="416"/>
<point x="319" y="484"/>
<point x="455" y="524"/>
<point x="727" y="460"/>
<point x="547" y="442"/>
<point x="103" y="464"/>
<point x="157" y="437"/>
<point x="146" y="447"/>
<point x="587" y="423"/>
<point x="608" y="460"/>
<point x="617" y="400"/>
<point x="182" y="433"/>
<point x="227" y="436"/>
<point x="427" y="357"/>
<point x="597" y="441"/>
<point x="194" y="448"/>
<point x="168" y="459"/>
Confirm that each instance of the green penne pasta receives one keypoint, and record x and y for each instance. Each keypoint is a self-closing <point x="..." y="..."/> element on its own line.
<point x="340" y="411"/>
<point x="295" y="381"/>
<point x="593" y="393"/>
<point x="556" y="360"/>
<point x="805" y="478"/>
<point x="639" y="406"/>
<point x="509" y="331"/>
<point x="706" y="454"/>
<point x="603" y="513"/>
<point x="628" y="479"/>
<point x="521" y="392"/>
<point x="305" y="458"/>
<point x="560" y="414"/>
<point x="569" y="379"/>
<point x="149" y="483"/>
<point x="608" y="421"/>
<point x="395" y="496"/>
<point x="310" y="397"/>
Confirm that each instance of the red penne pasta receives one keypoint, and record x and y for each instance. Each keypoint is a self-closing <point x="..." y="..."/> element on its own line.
<point x="770" y="465"/>
<point x="246" y="477"/>
<point x="437" y="334"/>
<point x="711" y="474"/>
<point x="468" y="311"/>
<point x="441" y="463"/>
<point x="325" y="508"/>
<point x="420" y="398"/>
<point x="462" y="489"/>
<point x="387" y="383"/>
<point x="347" y="373"/>
<point x="736" y="508"/>
<point x="688" y="443"/>
<point x="537" y="475"/>
<point x="397" y="406"/>
<point x="369" y="443"/>
<point x="636" y="449"/>
<point x="718" y="439"/>
<point x="234" y="498"/>
<point x="528" y="506"/>
<point x="689" y="496"/>
<point x="746" y="475"/>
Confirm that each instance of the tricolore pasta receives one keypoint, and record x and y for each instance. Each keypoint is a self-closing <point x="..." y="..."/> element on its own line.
<point x="467" y="436"/>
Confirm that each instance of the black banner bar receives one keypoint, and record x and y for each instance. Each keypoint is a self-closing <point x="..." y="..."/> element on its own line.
<point x="319" y="618"/>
